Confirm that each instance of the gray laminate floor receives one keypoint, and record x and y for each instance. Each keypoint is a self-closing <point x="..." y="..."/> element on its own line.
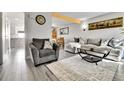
<point x="63" y="54"/>
<point x="15" y="68"/>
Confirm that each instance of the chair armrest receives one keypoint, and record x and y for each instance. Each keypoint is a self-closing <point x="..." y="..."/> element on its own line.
<point x="35" y="53"/>
<point x="32" y="46"/>
<point x="56" y="48"/>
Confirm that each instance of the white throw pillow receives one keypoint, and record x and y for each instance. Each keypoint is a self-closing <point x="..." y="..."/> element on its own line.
<point x="47" y="45"/>
<point x="82" y="41"/>
<point x="104" y="42"/>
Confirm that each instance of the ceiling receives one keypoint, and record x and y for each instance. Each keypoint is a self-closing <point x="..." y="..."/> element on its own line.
<point x="78" y="15"/>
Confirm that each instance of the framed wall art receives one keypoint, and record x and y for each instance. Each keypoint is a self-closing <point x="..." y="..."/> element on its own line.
<point x="64" y="31"/>
<point x="111" y="23"/>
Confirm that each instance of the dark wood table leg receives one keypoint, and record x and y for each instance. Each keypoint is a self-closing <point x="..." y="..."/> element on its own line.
<point x="96" y="63"/>
<point x="92" y="58"/>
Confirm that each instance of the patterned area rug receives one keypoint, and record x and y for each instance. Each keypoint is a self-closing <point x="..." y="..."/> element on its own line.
<point x="75" y="69"/>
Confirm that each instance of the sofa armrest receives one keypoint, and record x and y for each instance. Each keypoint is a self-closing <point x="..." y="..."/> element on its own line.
<point x="56" y="48"/>
<point x="121" y="52"/>
<point x="35" y="53"/>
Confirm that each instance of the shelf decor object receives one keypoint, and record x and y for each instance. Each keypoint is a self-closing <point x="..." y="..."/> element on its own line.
<point x="40" y="19"/>
<point x="111" y="23"/>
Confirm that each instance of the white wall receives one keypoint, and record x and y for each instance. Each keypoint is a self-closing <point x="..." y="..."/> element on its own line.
<point x="77" y="31"/>
<point x="39" y="31"/>
<point x="103" y="33"/>
<point x="13" y="33"/>
<point x="74" y="31"/>
<point x="1" y="47"/>
<point x="34" y="30"/>
<point x="5" y="35"/>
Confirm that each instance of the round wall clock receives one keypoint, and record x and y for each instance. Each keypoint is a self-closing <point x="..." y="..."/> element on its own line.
<point x="40" y="19"/>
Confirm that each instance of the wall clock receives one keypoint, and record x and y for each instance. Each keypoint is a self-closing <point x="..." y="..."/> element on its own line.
<point x="40" y="19"/>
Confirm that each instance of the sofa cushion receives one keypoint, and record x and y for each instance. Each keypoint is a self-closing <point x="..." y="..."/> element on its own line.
<point x="88" y="46"/>
<point x="83" y="41"/>
<point x="113" y="52"/>
<point x="104" y="42"/>
<point x="94" y="41"/>
<point x="46" y="52"/>
<point x="102" y="50"/>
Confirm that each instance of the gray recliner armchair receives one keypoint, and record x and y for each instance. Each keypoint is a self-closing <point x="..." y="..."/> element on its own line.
<point x="41" y="55"/>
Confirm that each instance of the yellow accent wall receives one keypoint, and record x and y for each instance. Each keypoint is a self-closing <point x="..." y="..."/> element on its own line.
<point x="66" y="18"/>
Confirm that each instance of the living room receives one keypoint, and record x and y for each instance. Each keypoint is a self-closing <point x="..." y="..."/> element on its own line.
<point x="76" y="44"/>
<point x="81" y="33"/>
<point x="81" y="30"/>
<point x="61" y="46"/>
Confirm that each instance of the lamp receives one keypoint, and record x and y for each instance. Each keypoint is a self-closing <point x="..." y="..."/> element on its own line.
<point x="84" y="26"/>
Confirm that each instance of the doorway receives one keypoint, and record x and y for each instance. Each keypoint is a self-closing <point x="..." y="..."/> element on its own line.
<point x="13" y="33"/>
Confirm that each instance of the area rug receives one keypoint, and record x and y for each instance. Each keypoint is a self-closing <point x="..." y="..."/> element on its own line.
<point x="75" y="69"/>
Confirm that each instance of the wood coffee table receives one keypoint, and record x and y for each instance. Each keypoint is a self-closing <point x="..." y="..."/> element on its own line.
<point x="90" y="57"/>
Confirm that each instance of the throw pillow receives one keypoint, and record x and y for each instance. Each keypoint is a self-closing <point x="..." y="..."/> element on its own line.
<point x="114" y="43"/>
<point x="104" y="42"/>
<point x="76" y="40"/>
<point x="117" y="42"/>
<point x="47" y="45"/>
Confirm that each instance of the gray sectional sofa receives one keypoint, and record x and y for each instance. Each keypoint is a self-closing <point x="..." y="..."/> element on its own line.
<point x="98" y="46"/>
